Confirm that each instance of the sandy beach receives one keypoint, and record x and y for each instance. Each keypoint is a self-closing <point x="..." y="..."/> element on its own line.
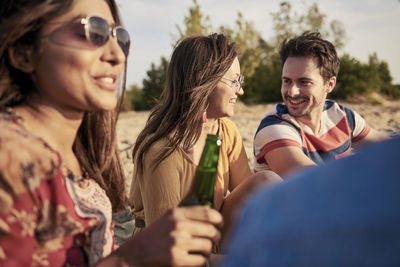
<point x="383" y="117"/>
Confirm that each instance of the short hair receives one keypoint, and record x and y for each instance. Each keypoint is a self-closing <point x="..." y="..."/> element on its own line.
<point x="310" y="44"/>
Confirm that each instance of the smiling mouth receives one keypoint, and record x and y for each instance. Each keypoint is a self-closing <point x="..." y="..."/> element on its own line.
<point x="107" y="80"/>
<point x="296" y="101"/>
<point x="232" y="101"/>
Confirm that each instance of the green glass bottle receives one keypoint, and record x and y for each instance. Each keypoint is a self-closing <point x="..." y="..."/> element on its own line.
<point x="203" y="185"/>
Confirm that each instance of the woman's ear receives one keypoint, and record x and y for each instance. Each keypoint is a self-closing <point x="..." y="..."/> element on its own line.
<point x="21" y="58"/>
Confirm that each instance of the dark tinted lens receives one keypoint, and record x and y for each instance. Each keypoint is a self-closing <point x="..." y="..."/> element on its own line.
<point x="99" y="31"/>
<point x="124" y="40"/>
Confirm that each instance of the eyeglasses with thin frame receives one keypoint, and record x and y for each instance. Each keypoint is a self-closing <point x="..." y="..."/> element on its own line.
<point x="235" y="84"/>
<point x="98" y="32"/>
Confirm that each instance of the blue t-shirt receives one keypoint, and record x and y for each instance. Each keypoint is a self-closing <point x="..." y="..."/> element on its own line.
<point x="345" y="213"/>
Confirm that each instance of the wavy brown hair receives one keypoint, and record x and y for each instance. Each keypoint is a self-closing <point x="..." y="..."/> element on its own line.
<point x="311" y="44"/>
<point x="21" y="22"/>
<point x="197" y="65"/>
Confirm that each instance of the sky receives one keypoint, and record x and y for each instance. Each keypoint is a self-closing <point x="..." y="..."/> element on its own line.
<point x="371" y="26"/>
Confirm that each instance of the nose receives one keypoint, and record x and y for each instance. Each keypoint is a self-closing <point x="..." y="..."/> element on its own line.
<point x="293" y="90"/>
<point x="113" y="54"/>
<point x="240" y="91"/>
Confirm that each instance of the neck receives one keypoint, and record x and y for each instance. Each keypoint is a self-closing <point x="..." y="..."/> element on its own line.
<point x="312" y="120"/>
<point x="56" y="127"/>
<point x="210" y="126"/>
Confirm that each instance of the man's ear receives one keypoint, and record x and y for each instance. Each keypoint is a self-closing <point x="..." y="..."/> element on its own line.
<point x="330" y="84"/>
<point x="21" y="58"/>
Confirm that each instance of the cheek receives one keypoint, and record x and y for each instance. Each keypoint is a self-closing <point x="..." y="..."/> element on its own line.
<point x="64" y="62"/>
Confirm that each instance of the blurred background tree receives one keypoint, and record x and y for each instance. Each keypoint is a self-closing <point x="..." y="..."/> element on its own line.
<point x="260" y="62"/>
<point x="194" y="24"/>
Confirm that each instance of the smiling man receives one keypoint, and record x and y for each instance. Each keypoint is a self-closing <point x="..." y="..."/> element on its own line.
<point x="308" y="129"/>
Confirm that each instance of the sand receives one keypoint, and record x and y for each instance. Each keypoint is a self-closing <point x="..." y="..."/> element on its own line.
<point x="383" y="117"/>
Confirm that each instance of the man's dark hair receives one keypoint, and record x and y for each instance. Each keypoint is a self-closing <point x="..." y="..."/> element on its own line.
<point x="310" y="44"/>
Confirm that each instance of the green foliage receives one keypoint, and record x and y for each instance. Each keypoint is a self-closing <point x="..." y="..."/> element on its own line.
<point x="249" y="41"/>
<point x="133" y="99"/>
<point x="357" y="78"/>
<point x="195" y="23"/>
<point x="154" y="83"/>
<point x="288" y="23"/>
<point x="127" y="103"/>
<point x="264" y="85"/>
<point x="353" y="78"/>
<point x="260" y="62"/>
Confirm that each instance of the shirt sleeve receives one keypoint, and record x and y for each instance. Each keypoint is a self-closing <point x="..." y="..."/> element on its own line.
<point x="274" y="133"/>
<point x="361" y="128"/>
<point x="237" y="157"/>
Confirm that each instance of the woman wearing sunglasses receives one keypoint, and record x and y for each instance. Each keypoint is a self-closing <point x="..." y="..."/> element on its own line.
<point x="60" y="176"/>
<point x="202" y="87"/>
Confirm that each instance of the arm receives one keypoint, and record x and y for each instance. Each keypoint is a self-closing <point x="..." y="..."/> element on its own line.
<point x="363" y="134"/>
<point x="239" y="168"/>
<point x="242" y="182"/>
<point x="286" y="160"/>
<point x="182" y="237"/>
<point x="372" y="137"/>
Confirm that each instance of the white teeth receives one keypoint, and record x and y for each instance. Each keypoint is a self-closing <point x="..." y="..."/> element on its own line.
<point x="107" y="80"/>
<point x="233" y="101"/>
<point x="297" y="102"/>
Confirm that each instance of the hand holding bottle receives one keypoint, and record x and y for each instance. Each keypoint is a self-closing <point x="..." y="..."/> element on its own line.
<point x="182" y="237"/>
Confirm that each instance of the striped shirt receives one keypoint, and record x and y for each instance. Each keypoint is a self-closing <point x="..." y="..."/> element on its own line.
<point x="340" y="127"/>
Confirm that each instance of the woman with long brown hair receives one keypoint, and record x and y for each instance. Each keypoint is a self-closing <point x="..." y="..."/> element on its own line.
<point x="61" y="62"/>
<point x="202" y="87"/>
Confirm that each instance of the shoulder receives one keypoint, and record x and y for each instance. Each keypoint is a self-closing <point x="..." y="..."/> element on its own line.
<point x="174" y="160"/>
<point x="229" y="132"/>
<point x="336" y="112"/>
<point x="277" y="118"/>
<point x="332" y="108"/>
<point x="159" y="147"/>
<point x="156" y="147"/>
<point x="274" y="127"/>
<point x="227" y="124"/>
<point x="24" y="158"/>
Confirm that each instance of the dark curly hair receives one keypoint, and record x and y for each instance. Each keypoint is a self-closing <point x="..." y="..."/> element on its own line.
<point x="310" y="44"/>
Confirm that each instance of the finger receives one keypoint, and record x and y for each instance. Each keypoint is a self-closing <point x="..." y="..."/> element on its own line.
<point x="196" y="245"/>
<point x="189" y="260"/>
<point x="191" y="251"/>
<point x="191" y="228"/>
<point x="206" y="231"/>
<point x="202" y="213"/>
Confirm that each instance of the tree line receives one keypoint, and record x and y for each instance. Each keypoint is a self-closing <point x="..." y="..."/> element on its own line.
<point x="260" y="61"/>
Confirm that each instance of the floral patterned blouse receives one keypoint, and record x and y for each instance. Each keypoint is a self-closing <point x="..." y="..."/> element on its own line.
<point x="48" y="216"/>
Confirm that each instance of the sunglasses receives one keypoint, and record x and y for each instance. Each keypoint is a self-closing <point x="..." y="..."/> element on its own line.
<point x="98" y="31"/>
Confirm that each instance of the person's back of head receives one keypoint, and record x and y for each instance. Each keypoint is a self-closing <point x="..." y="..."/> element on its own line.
<point x="311" y="44"/>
